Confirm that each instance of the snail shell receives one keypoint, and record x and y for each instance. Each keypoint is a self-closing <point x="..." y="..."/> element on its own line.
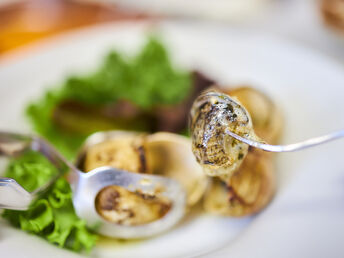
<point x="247" y="191"/>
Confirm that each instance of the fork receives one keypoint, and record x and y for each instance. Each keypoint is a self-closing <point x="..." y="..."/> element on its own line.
<point x="289" y="147"/>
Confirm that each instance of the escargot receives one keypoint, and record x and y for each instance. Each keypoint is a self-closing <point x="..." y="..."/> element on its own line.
<point x="163" y="154"/>
<point x="213" y="113"/>
<point x="244" y="186"/>
<point x="123" y="150"/>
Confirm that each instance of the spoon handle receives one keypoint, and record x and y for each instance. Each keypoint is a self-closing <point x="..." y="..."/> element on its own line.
<point x="290" y="147"/>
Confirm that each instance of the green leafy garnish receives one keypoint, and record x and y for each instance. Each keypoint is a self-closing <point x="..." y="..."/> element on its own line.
<point x="52" y="216"/>
<point x="146" y="80"/>
<point x="31" y="170"/>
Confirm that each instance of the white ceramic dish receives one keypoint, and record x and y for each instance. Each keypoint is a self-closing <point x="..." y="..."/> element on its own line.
<point x="305" y="218"/>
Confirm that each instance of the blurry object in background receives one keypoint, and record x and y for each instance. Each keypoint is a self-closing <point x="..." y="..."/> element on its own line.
<point x="7" y="2"/>
<point x="25" y="21"/>
<point x="333" y="13"/>
<point x="233" y="10"/>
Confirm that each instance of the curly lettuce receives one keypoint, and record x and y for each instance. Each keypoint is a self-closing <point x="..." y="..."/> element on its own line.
<point x="146" y="80"/>
<point x="52" y="216"/>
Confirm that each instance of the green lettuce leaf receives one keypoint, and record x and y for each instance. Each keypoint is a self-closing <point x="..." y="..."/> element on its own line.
<point x="146" y="80"/>
<point x="52" y="216"/>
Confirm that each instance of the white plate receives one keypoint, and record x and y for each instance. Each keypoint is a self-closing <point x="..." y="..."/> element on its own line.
<point x="305" y="218"/>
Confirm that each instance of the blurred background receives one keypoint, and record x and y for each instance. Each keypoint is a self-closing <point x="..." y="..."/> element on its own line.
<point x="317" y="24"/>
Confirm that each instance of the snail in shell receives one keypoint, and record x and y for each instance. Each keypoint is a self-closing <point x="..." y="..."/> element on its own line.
<point x="243" y="179"/>
<point x="163" y="154"/>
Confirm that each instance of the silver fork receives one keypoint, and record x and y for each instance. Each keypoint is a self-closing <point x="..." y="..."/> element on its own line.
<point x="290" y="147"/>
<point x="85" y="187"/>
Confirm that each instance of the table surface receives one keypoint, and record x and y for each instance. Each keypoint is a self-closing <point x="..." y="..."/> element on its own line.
<point x="23" y="22"/>
<point x="296" y="20"/>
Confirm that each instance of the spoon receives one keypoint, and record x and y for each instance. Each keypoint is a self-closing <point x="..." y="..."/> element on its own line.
<point x="85" y="187"/>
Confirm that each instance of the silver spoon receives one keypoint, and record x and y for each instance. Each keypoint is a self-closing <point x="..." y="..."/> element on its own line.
<point x="85" y="187"/>
<point x="290" y="147"/>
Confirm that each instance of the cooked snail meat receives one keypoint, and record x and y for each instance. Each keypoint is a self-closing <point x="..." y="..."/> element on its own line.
<point x="212" y="114"/>
<point x="121" y="206"/>
<point x="127" y="152"/>
<point x="163" y="154"/>
<point x="170" y="155"/>
<point x="249" y="189"/>
<point x="266" y="117"/>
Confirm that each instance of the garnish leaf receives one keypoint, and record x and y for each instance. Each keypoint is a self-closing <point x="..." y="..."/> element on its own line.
<point x="147" y="80"/>
<point x="52" y="216"/>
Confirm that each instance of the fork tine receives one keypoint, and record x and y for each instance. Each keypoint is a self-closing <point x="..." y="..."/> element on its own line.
<point x="290" y="147"/>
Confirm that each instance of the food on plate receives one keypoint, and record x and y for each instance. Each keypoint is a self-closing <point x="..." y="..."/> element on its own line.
<point x="247" y="191"/>
<point x="142" y="93"/>
<point x="121" y="206"/>
<point x="52" y="216"/>
<point x="170" y="155"/>
<point x="251" y="186"/>
<point x="164" y="154"/>
<point x="145" y="92"/>
<point x="267" y="118"/>
<point x="212" y="114"/>
<point x="126" y="151"/>
<point x="141" y="104"/>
